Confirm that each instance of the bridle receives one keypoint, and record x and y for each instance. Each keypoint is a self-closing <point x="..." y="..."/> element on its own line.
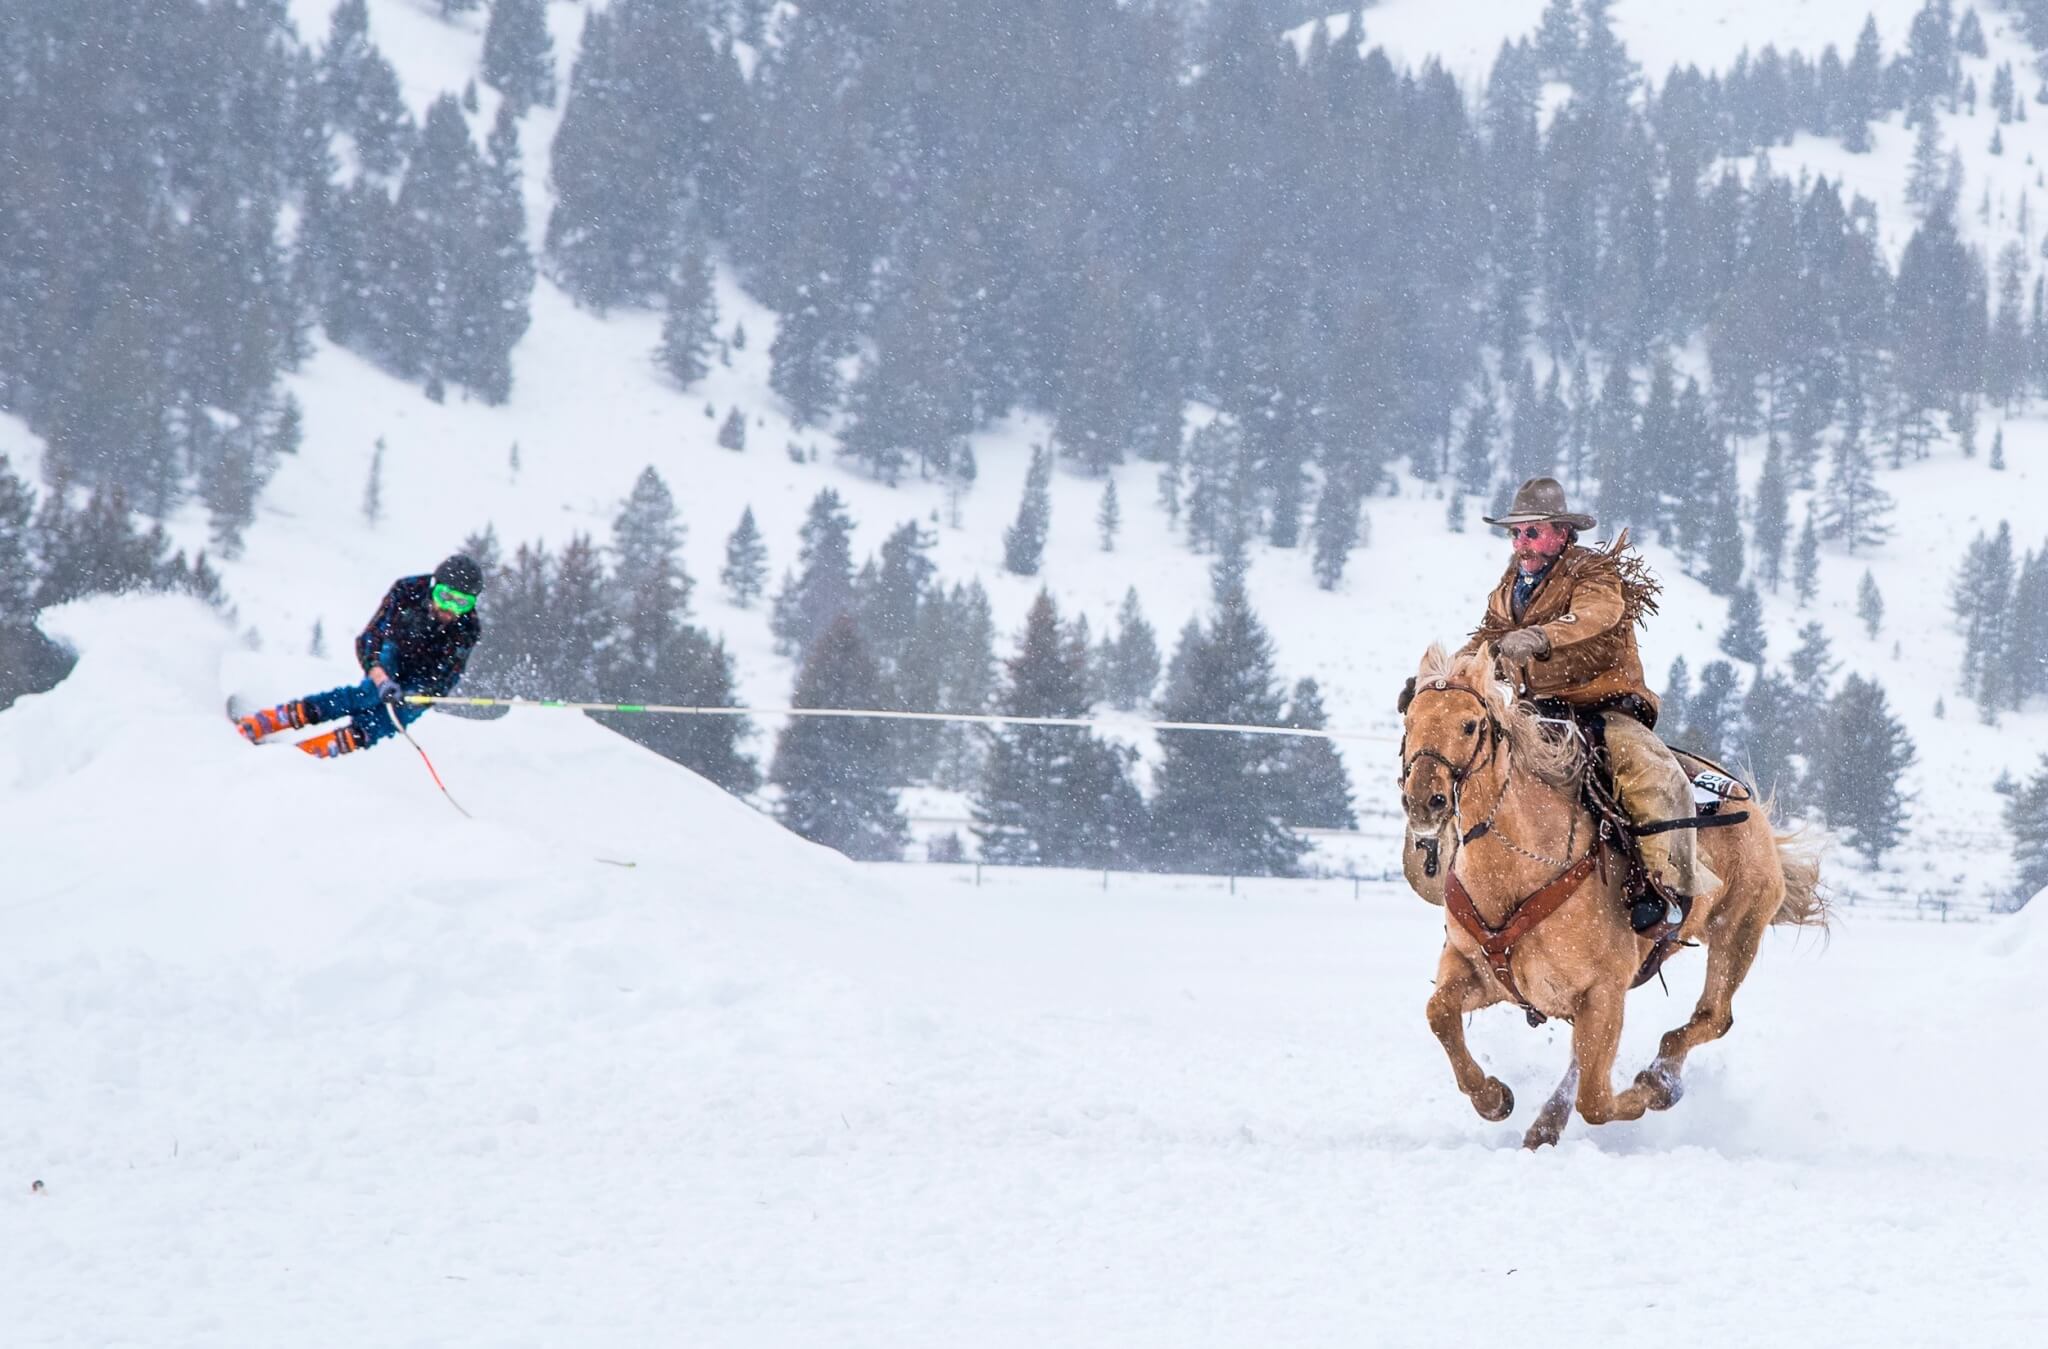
<point x="1490" y="740"/>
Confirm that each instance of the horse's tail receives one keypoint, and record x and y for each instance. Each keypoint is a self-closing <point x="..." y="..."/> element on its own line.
<point x="1805" y="904"/>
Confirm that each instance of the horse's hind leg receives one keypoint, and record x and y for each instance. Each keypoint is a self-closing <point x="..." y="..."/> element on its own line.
<point x="1729" y="957"/>
<point x="1556" y="1112"/>
<point x="1458" y="991"/>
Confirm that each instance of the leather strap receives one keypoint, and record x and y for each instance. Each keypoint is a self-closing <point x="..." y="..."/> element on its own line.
<point x="1497" y="944"/>
<point x="1691" y="822"/>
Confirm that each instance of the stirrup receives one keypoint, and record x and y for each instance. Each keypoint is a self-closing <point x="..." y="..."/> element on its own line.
<point x="1651" y="909"/>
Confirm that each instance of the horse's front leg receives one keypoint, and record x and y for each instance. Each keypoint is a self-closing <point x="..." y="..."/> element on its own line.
<point x="1459" y="990"/>
<point x="1596" y="1036"/>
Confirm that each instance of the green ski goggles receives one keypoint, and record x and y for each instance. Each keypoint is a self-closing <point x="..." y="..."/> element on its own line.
<point x="453" y="600"/>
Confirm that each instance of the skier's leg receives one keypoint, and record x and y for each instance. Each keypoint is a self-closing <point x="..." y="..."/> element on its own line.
<point x="346" y="701"/>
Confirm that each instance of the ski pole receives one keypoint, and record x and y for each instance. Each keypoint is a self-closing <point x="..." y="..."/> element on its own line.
<point x="392" y="713"/>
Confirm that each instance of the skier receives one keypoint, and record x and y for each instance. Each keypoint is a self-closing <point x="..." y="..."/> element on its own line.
<point x="417" y="642"/>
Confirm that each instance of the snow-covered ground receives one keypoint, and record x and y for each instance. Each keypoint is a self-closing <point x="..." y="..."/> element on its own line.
<point x="302" y="1057"/>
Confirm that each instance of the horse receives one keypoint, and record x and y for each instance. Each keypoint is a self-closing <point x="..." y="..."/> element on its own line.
<point x="1492" y="794"/>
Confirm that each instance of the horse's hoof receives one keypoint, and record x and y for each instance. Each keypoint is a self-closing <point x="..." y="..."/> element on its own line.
<point x="1539" y="1138"/>
<point x="1502" y="1111"/>
<point x="1660" y="1091"/>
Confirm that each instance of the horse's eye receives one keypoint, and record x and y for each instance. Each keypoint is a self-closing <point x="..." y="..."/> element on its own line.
<point x="1471" y="726"/>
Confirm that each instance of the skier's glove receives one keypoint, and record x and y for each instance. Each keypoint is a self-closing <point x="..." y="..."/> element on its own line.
<point x="388" y="690"/>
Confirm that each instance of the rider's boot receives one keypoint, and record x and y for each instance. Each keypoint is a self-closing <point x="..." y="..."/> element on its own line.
<point x="1653" y="787"/>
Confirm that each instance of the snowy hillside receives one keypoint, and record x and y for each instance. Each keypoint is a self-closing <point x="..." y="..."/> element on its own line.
<point x="305" y="1057"/>
<point x="589" y="411"/>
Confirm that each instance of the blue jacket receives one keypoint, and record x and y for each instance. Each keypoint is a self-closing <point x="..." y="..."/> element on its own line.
<point x="415" y="648"/>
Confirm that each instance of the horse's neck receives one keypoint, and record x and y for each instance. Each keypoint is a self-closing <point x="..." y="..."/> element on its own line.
<point x="1535" y="815"/>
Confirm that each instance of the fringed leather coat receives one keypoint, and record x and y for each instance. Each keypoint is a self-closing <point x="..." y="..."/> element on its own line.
<point x="1587" y="605"/>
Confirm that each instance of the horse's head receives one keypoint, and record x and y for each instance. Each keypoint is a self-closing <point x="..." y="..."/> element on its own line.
<point x="1453" y="717"/>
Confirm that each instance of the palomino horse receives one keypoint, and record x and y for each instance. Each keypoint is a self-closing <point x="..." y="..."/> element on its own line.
<point x="1483" y="779"/>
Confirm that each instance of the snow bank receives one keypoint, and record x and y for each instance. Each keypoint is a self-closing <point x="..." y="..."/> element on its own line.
<point x="302" y="1056"/>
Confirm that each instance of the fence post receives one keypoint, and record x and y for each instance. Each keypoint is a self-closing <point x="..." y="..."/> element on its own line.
<point x="977" y="875"/>
<point x="1105" y="879"/>
<point x="1233" y="882"/>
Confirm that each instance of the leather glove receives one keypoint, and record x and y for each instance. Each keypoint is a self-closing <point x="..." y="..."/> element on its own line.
<point x="388" y="690"/>
<point x="1524" y="644"/>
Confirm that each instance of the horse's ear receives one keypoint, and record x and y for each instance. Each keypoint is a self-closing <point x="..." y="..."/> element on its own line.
<point x="1407" y="697"/>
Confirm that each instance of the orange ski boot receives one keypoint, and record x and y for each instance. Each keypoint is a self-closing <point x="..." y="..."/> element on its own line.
<point x="270" y="721"/>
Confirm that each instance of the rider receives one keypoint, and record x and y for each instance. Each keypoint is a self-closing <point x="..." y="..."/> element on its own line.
<point x="1563" y="621"/>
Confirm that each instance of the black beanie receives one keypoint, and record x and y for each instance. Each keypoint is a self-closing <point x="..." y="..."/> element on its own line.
<point x="461" y="572"/>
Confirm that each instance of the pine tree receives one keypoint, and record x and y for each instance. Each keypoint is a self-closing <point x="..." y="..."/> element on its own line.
<point x="519" y="56"/>
<point x="1864" y="754"/>
<point x="1219" y="798"/>
<point x="1130" y="660"/>
<point x="1773" y="517"/>
<point x="1869" y="604"/>
<point x="2006" y="357"/>
<point x="2026" y="815"/>
<point x="2029" y="643"/>
<point x="1806" y="561"/>
<point x="229" y="487"/>
<point x="833" y="791"/>
<point x="289" y="431"/>
<point x="1336" y="527"/>
<point x="17" y="560"/>
<point x="1998" y="450"/>
<point x="650" y="589"/>
<point x="823" y="588"/>
<point x="746" y="562"/>
<point x="1024" y="541"/>
<point x="1854" y="509"/>
<point x="1771" y="719"/>
<point x="1863" y="88"/>
<point x="1109" y="517"/>
<point x="689" y="328"/>
<point x="1743" y="638"/>
<point x="1677" y="699"/>
<point x="891" y="594"/>
<point x="1927" y="178"/>
<point x="1475" y="449"/>
<point x="804" y="361"/>
<point x="316" y="646"/>
<point x="373" y="490"/>
<point x="732" y="434"/>
<point x="1812" y="668"/>
<point x="1318" y="790"/>
<point x="1557" y="39"/>
<point x="1984" y="601"/>
<point x="1711" y="712"/>
<point x="1055" y="795"/>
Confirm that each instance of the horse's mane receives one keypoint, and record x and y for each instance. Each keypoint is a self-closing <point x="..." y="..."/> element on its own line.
<point x="1554" y="759"/>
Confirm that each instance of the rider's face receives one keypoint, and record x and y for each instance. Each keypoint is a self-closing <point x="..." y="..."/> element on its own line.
<point x="1536" y="545"/>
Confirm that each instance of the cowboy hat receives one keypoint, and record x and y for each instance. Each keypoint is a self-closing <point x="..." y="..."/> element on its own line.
<point x="1541" y="499"/>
